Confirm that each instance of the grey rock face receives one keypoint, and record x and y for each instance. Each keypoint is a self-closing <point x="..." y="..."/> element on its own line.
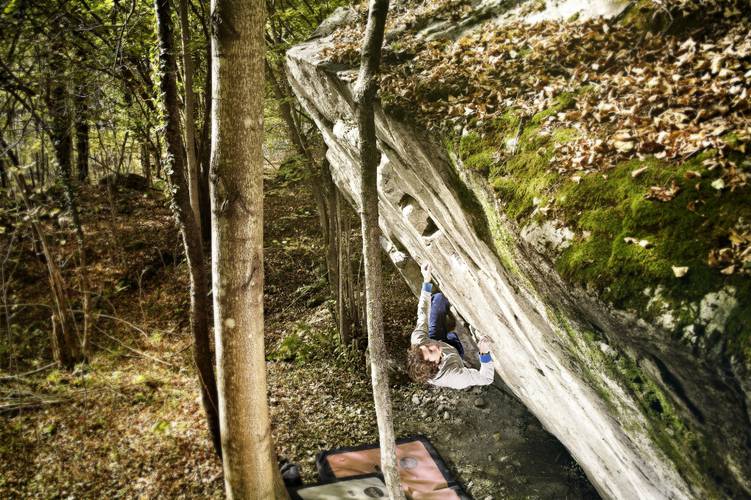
<point x="571" y="359"/>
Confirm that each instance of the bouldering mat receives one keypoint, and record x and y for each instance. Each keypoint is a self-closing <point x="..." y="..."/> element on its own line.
<point x="361" y="488"/>
<point x="422" y="471"/>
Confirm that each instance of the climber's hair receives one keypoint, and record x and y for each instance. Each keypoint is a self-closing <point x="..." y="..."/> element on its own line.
<point x="418" y="368"/>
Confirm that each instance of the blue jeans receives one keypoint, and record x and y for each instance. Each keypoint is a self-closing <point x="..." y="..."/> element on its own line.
<point x="439" y="307"/>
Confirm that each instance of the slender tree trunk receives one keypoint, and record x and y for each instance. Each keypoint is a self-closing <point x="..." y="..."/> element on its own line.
<point x="205" y="151"/>
<point x="337" y="256"/>
<point x="199" y="289"/>
<point x="364" y="96"/>
<point x="61" y="126"/>
<point x="354" y="310"/>
<point x="82" y="135"/>
<point x="146" y="163"/>
<point x="237" y="248"/>
<point x="42" y="172"/>
<point x="158" y="157"/>
<point x="190" y="114"/>
<point x="3" y="174"/>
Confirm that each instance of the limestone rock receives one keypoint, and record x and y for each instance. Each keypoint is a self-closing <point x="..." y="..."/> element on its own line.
<point x="606" y="382"/>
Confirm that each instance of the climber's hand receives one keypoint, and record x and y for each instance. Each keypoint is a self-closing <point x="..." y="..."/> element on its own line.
<point x="483" y="345"/>
<point x="426" y="273"/>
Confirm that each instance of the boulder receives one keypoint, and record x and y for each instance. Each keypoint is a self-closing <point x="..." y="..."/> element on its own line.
<point x="647" y="409"/>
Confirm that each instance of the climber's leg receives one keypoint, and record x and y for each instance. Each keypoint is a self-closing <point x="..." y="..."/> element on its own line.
<point x="453" y="339"/>
<point x="439" y="306"/>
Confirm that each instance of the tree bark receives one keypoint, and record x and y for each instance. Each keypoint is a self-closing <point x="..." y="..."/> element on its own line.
<point x="146" y="163"/>
<point x="59" y="104"/>
<point x="61" y="126"/>
<point x="364" y="96"/>
<point x="237" y="248"/>
<point x="199" y="304"/>
<point x="338" y="256"/>
<point x="190" y="114"/>
<point x="82" y="135"/>
<point x="205" y="149"/>
<point x="3" y="174"/>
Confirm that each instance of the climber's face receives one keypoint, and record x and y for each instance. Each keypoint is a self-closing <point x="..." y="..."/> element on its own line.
<point x="431" y="352"/>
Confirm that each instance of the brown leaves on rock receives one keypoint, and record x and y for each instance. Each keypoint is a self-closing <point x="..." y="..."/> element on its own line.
<point x="661" y="193"/>
<point x="630" y="94"/>
<point x="736" y="257"/>
<point x="624" y="92"/>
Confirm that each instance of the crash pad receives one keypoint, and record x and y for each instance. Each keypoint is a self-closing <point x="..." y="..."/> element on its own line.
<point x="422" y="471"/>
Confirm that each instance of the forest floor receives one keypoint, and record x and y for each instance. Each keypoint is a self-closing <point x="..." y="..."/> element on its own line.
<point x="130" y="425"/>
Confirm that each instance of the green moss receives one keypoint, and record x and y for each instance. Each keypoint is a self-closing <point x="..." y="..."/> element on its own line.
<point x="615" y="208"/>
<point x="527" y="176"/>
<point x="508" y="122"/>
<point x="476" y="153"/>
<point x="561" y="102"/>
<point x="603" y="209"/>
<point x="481" y="162"/>
<point x="667" y="428"/>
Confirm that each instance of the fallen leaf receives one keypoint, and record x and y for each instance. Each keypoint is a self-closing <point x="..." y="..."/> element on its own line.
<point x="623" y="146"/>
<point x="636" y="173"/>
<point x="728" y="270"/>
<point x="718" y="184"/>
<point x="680" y="271"/>
<point x="661" y="193"/>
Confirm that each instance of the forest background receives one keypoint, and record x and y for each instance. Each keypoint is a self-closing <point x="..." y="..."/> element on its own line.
<point x="97" y="371"/>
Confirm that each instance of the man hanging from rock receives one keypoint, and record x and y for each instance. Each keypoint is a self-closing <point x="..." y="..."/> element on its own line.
<point x="436" y="353"/>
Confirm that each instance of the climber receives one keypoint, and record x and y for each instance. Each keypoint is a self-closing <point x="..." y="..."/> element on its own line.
<point x="441" y="323"/>
<point x="438" y="360"/>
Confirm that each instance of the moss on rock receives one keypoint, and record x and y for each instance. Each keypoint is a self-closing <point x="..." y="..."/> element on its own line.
<point x="668" y="429"/>
<point x="609" y="210"/>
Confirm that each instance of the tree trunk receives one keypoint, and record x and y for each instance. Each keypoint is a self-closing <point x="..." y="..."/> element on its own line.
<point x="158" y="157"/>
<point x="364" y="96"/>
<point x="82" y="163"/>
<point x="61" y="126"/>
<point x="82" y="135"/>
<point x="237" y="248"/>
<point x="190" y="114"/>
<point x="62" y="123"/>
<point x="43" y="168"/>
<point x="338" y="257"/>
<point x="3" y="174"/>
<point x="205" y="152"/>
<point x="199" y="304"/>
<point x="146" y="163"/>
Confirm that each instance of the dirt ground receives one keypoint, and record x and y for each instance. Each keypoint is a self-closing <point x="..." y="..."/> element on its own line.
<point x="129" y="424"/>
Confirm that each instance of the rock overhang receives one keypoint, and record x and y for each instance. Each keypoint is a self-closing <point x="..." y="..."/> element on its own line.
<point x="619" y="401"/>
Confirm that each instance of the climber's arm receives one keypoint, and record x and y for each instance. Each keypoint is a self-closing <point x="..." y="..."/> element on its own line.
<point x="420" y="333"/>
<point x="467" y="377"/>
